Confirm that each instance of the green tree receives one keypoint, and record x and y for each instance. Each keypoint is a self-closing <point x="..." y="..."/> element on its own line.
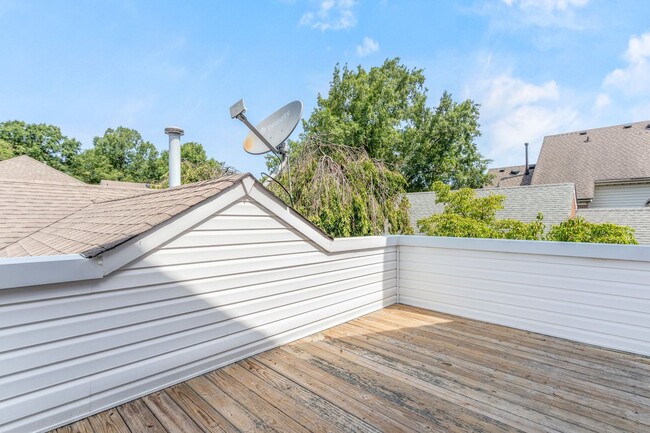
<point x="6" y="150"/>
<point x="345" y="192"/>
<point x="384" y="111"/>
<point x="42" y="142"/>
<point x="466" y="215"/>
<point x="195" y="165"/>
<point x="580" y="230"/>
<point x="120" y="154"/>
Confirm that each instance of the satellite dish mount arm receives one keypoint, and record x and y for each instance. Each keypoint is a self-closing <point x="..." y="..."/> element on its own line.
<point x="257" y="133"/>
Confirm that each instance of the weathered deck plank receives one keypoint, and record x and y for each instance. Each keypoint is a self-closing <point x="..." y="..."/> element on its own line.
<point x="404" y="369"/>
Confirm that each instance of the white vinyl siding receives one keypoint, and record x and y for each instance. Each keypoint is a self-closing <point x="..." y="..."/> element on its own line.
<point x="237" y="284"/>
<point x="615" y="196"/>
<point x="598" y="301"/>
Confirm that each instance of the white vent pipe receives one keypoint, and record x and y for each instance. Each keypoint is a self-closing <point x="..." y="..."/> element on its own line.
<point x="174" y="134"/>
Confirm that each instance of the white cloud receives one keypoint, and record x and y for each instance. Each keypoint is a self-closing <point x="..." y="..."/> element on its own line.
<point x="633" y="78"/>
<point x="331" y="15"/>
<point x="514" y="111"/>
<point x="602" y="101"/>
<point x="507" y="92"/>
<point x="368" y="46"/>
<point x="546" y="5"/>
<point x="540" y="13"/>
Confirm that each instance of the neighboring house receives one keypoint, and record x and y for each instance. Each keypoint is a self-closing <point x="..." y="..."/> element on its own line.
<point x="610" y="166"/>
<point x="555" y="202"/>
<point x="510" y="176"/>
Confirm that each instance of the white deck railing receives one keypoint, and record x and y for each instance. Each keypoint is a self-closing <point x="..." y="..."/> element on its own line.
<point x="90" y="341"/>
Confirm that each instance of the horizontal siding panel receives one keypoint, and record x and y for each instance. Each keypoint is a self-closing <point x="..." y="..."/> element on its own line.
<point x="36" y="356"/>
<point x="425" y="279"/>
<point x="534" y="264"/>
<point x="248" y="319"/>
<point x="286" y="279"/>
<point x="239" y="222"/>
<point x="232" y="237"/>
<point x="37" y="333"/>
<point x="568" y="297"/>
<point x="244" y="208"/>
<point x="613" y="196"/>
<point x="180" y="256"/>
<point x="522" y="275"/>
<point x="148" y="276"/>
<point x="562" y="258"/>
<point x="618" y="322"/>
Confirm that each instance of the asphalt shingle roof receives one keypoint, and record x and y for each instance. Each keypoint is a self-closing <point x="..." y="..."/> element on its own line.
<point x="521" y="203"/>
<point x="28" y="169"/>
<point x="637" y="218"/>
<point x="510" y="176"/>
<point x="101" y="225"/>
<point x="583" y="157"/>
<point x="28" y="206"/>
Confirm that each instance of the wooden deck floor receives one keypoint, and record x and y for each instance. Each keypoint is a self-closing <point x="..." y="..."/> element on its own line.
<point x="404" y="369"/>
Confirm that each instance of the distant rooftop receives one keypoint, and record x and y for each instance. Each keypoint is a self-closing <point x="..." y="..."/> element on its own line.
<point x="28" y="169"/>
<point x="617" y="152"/>
<point x="556" y="202"/>
<point x="514" y="175"/>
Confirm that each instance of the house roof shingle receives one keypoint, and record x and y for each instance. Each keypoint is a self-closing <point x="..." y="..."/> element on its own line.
<point x="103" y="224"/>
<point x="522" y="203"/>
<point x="510" y="176"/>
<point x="637" y="218"/>
<point x="28" y="169"/>
<point x="584" y="157"/>
<point x="28" y="206"/>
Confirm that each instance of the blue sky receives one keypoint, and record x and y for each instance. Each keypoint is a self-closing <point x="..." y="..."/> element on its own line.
<point x="537" y="67"/>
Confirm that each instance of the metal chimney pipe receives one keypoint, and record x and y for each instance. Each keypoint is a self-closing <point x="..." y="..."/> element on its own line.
<point x="527" y="172"/>
<point x="174" y="133"/>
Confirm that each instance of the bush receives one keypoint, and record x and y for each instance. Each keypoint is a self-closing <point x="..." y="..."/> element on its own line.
<point x="580" y="230"/>
<point x="468" y="216"/>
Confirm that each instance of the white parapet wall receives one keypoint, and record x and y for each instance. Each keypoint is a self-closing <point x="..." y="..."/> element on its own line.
<point x="239" y="283"/>
<point x="592" y="293"/>
<point x="243" y="281"/>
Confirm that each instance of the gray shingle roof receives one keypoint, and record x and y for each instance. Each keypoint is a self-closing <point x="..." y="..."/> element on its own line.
<point x="510" y="176"/>
<point x="28" y="206"/>
<point x="583" y="157"/>
<point x="521" y="203"/>
<point x="28" y="169"/>
<point x="98" y="226"/>
<point x="637" y="218"/>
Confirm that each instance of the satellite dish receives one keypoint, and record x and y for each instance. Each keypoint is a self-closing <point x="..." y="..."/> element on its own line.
<point x="276" y="129"/>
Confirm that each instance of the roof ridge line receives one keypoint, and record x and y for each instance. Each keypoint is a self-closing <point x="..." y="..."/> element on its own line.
<point x="578" y="131"/>
<point x="162" y="190"/>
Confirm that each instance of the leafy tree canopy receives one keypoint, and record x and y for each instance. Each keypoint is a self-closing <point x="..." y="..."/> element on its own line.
<point x="384" y="111"/>
<point x="6" y="150"/>
<point x="195" y="165"/>
<point x="466" y="215"/>
<point x="345" y="192"/>
<point x="42" y="142"/>
<point x="580" y="230"/>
